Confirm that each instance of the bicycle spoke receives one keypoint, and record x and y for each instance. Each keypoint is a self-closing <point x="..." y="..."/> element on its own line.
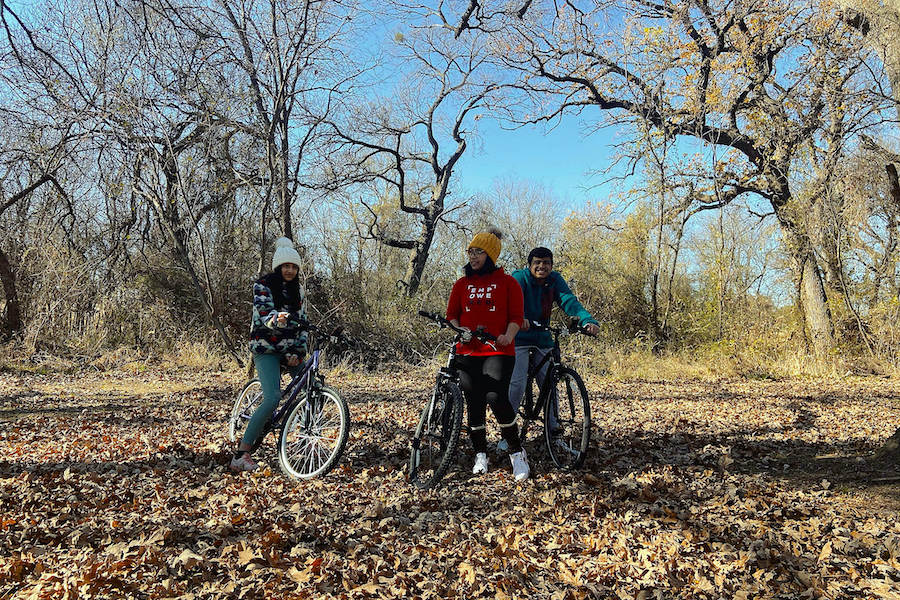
<point x="314" y="436"/>
<point x="567" y="422"/>
<point x="245" y="405"/>
<point x="310" y="461"/>
<point x="436" y="438"/>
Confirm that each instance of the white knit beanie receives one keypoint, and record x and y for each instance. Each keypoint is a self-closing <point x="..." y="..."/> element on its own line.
<point x="284" y="253"/>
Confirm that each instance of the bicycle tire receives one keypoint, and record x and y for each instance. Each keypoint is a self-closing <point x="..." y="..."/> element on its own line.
<point x="436" y="439"/>
<point x="245" y="405"/>
<point x="314" y="435"/>
<point x="528" y="411"/>
<point x="568" y="444"/>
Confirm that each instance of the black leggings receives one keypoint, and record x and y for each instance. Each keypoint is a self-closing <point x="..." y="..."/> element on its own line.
<point x="485" y="380"/>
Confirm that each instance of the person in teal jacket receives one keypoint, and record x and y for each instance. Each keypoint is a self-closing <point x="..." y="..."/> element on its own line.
<point x="542" y="287"/>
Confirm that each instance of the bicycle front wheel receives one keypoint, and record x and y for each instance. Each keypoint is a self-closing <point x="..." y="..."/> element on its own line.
<point x="245" y="405"/>
<point x="437" y="436"/>
<point x="567" y="421"/>
<point x="314" y="435"/>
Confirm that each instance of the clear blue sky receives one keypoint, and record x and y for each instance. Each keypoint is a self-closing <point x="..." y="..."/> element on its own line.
<point x="562" y="159"/>
<point x="565" y="161"/>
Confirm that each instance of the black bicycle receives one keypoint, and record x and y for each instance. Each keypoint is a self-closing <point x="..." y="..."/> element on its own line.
<point x="436" y="439"/>
<point x="311" y="421"/>
<point x="563" y="401"/>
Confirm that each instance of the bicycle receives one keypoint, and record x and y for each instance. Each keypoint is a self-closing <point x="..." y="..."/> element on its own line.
<point x="313" y="419"/>
<point x="436" y="438"/>
<point x="563" y="400"/>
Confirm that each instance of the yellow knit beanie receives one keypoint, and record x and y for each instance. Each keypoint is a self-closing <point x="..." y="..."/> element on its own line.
<point x="489" y="241"/>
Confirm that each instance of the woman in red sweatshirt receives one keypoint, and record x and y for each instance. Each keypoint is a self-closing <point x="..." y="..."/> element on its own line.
<point x="487" y="298"/>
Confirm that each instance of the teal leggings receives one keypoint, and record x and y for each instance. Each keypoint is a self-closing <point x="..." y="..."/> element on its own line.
<point x="268" y="367"/>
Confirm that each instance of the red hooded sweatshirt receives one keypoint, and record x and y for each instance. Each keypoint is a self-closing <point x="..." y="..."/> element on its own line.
<point x="491" y="302"/>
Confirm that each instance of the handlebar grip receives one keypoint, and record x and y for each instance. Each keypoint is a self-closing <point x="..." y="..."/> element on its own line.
<point x="483" y="335"/>
<point x="305" y="325"/>
<point x="539" y="326"/>
<point x="426" y="314"/>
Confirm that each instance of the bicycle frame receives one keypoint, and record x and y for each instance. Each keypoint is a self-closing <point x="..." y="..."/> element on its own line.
<point x="445" y="374"/>
<point x="532" y="409"/>
<point x="449" y="370"/>
<point x="302" y="381"/>
<point x="437" y="434"/>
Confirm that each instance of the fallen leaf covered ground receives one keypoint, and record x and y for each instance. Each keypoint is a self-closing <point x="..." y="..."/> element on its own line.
<point x="114" y="485"/>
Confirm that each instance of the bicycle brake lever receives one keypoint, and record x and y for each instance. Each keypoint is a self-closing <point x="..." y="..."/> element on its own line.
<point x="538" y="326"/>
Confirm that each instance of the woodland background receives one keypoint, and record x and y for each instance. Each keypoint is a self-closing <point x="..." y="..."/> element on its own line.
<point x="151" y="151"/>
<point x="745" y="274"/>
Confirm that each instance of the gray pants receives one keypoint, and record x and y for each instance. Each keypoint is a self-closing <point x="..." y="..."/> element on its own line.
<point x="520" y="376"/>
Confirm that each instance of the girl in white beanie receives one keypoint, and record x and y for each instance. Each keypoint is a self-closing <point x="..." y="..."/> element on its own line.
<point x="275" y="339"/>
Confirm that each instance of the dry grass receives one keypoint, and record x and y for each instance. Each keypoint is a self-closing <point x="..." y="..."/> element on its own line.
<point x="715" y="361"/>
<point x="710" y="364"/>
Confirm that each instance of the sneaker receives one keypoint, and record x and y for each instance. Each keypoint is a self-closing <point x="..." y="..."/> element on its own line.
<point x="481" y="464"/>
<point x="244" y="463"/>
<point x="502" y="445"/>
<point x="520" y="467"/>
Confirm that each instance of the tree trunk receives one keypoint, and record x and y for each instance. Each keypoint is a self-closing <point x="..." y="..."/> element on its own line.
<point x="810" y="289"/>
<point x="894" y="183"/>
<point x="11" y="323"/>
<point x="892" y="446"/>
<point x="813" y="302"/>
<point x="832" y="268"/>
<point x="816" y="315"/>
<point x="284" y="189"/>
<point x="418" y="255"/>
<point x="891" y="449"/>
<point x="170" y="222"/>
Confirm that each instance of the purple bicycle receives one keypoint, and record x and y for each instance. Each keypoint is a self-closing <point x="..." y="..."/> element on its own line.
<point x="311" y="421"/>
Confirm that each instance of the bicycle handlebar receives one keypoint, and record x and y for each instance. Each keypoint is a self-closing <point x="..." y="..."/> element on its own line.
<point x="306" y="326"/>
<point x="537" y="325"/>
<point x="337" y="336"/>
<point x="482" y="335"/>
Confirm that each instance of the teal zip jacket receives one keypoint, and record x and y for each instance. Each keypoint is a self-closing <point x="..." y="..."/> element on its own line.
<point x="539" y="299"/>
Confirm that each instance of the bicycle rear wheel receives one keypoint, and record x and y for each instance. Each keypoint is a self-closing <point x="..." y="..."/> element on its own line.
<point x="567" y="421"/>
<point x="527" y="413"/>
<point x="314" y="435"/>
<point x="245" y="405"/>
<point x="436" y="439"/>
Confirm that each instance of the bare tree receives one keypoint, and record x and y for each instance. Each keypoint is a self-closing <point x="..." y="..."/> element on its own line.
<point x="192" y="110"/>
<point x="757" y="80"/>
<point x="37" y="140"/>
<point x="407" y="146"/>
<point x="527" y="212"/>
<point x="291" y="62"/>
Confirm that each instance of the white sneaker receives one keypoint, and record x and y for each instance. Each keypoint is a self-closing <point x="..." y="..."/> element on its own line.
<point x="520" y="467"/>
<point x="481" y="464"/>
<point x="244" y="463"/>
<point x="502" y="445"/>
